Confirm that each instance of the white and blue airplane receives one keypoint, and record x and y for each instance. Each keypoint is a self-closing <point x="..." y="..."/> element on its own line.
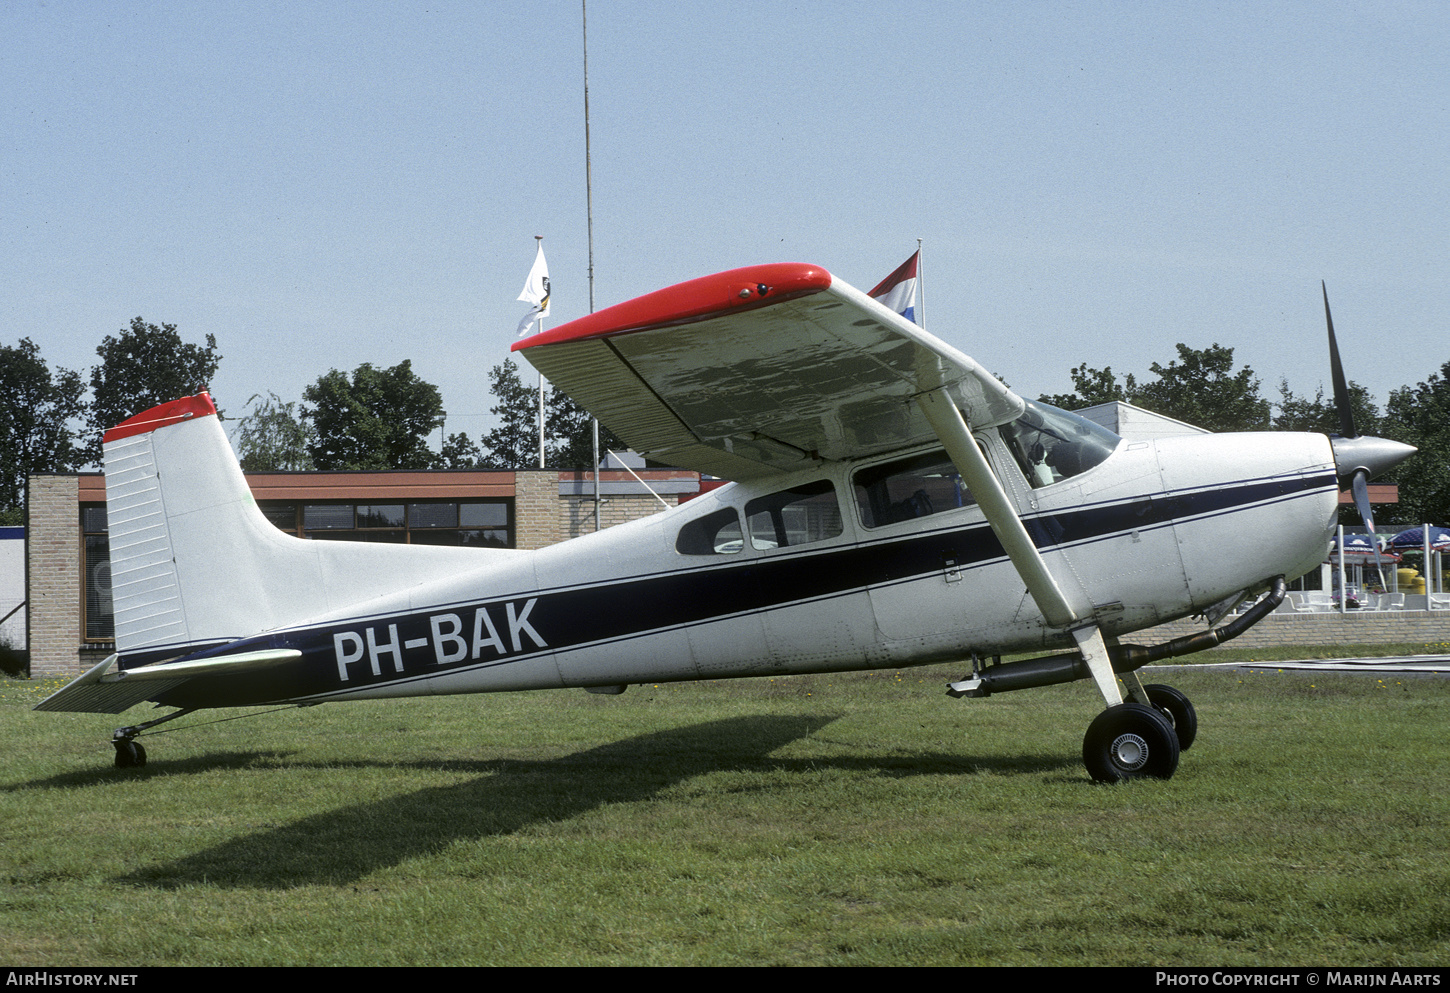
<point x="893" y="504"/>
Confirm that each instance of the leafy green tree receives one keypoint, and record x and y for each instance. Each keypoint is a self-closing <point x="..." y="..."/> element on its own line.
<point x="460" y="453"/>
<point x="514" y="443"/>
<point x="1092" y="387"/>
<point x="274" y="436"/>
<point x="142" y="366"/>
<point x="1420" y="416"/>
<point x="377" y="419"/>
<point x="571" y="429"/>
<point x="1199" y="388"/>
<point x="37" y="411"/>
<point x="1319" y="413"/>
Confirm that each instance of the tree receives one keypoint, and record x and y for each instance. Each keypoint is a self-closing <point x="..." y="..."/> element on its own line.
<point x="37" y="408"/>
<point x="378" y="419"/>
<point x="1320" y="414"/>
<point x="1420" y="416"/>
<point x="1203" y="391"/>
<point x="460" y="453"/>
<point x="571" y="429"/>
<point x="514" y="444"/>
<point x="1199" y="389"/>
<point x="274" y="436"/>
<point x="142" y="366"/>
<point x="1092" y="387"/>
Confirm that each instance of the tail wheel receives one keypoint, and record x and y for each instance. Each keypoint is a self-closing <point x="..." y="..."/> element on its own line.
<point x="129" y="754"/>
<point x="1179" y="711"/>
<point x="1130" y="741"/>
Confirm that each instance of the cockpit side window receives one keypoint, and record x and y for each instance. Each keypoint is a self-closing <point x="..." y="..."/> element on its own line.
<point x="714" y="534"/>
<point x="916" y="486"/>
<point x="796" y="516"/>
<point x="1051" y="444"/>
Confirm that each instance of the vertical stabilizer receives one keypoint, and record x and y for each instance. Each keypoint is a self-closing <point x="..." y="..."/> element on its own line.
<point x="145" y="584"/>
<point x="194" y="563"/>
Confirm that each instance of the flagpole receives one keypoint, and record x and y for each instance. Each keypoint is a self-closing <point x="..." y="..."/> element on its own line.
<point x="589" y="210"/>
<point x="920" y="287"/>
<point x="539" y="241"/>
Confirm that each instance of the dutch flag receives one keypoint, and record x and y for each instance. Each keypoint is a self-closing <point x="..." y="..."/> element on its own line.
<point x="898" y="290"/>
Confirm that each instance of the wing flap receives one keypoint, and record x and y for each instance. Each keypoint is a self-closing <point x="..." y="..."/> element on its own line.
<point x="760" y="371"/>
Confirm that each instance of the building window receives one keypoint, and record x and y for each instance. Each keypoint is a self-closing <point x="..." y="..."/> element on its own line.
<point x="98" y="622"/>
<point x="470" y="523"/>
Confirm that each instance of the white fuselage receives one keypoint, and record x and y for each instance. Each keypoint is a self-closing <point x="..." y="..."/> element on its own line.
<point x="1160" y="530"/>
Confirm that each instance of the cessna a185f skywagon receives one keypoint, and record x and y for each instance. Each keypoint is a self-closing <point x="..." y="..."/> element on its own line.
<point x="893" y="504"/>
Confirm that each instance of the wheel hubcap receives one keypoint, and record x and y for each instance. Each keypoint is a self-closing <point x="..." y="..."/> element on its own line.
<point x="1130" y="752"/>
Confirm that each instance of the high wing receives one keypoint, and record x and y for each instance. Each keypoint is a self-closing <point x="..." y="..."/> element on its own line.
<point x="761" y="371"/>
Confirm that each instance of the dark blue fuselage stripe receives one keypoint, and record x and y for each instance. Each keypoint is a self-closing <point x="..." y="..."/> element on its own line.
<point x="630" y="607"/>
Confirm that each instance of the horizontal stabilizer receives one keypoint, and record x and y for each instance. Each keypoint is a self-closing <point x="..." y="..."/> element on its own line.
<point x="87" y="694"/>
<point x="226" y="665"/>
<point x="107" y="690"/>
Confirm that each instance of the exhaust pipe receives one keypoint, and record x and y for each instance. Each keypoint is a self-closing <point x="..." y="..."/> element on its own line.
<point x="1052" y="669"/>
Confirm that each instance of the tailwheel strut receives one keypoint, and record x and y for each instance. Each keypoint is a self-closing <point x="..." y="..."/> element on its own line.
<point x="130" y="753"/>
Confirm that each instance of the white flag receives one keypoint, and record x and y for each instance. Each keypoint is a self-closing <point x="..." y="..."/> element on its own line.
<point x="536" y="292"/>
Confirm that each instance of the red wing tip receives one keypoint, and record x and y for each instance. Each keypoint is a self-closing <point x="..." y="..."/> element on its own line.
<point x="163" y="415"/>
<point x="695" y="300"/>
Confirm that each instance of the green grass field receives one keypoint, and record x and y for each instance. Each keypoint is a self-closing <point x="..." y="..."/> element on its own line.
<point x="843" y="819"/>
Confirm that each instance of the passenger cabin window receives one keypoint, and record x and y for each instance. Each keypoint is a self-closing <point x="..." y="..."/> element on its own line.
<point x="1051" y="444"/>
<point x="713" y="534"/>
<point x="916" y="486"/>
<point x="796" y="516"/>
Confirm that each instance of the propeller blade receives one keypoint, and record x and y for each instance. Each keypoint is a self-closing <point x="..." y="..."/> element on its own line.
<point x="1360" y="487"/>
<point x="1356" y="458"/>
<point x="1336" y="372"/>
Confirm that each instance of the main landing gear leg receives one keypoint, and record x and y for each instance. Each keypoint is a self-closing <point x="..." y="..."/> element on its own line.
<point x="131" y="754"/>
<point x="1128" y="740"/>
<point x="1095" y="654"/>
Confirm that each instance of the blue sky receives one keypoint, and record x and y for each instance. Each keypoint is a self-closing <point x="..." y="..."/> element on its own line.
<point x="325" y="184"/>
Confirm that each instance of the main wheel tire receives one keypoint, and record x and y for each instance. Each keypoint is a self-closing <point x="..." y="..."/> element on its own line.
<point x="1130" y="741"/>
<point x="1179" y="710"/>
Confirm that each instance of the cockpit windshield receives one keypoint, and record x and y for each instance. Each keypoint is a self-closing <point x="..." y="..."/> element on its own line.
<point x="1051" y="444"/>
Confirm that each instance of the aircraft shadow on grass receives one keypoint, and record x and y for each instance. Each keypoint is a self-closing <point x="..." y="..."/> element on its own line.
<point x="347" y="844"/>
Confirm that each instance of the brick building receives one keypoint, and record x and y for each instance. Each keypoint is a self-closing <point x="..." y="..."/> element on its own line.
<point x="67" y="566"/>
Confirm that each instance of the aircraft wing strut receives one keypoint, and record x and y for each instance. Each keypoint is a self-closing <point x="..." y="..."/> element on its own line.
<point x="947" y="421"/>
<point x="768" y="369"/>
